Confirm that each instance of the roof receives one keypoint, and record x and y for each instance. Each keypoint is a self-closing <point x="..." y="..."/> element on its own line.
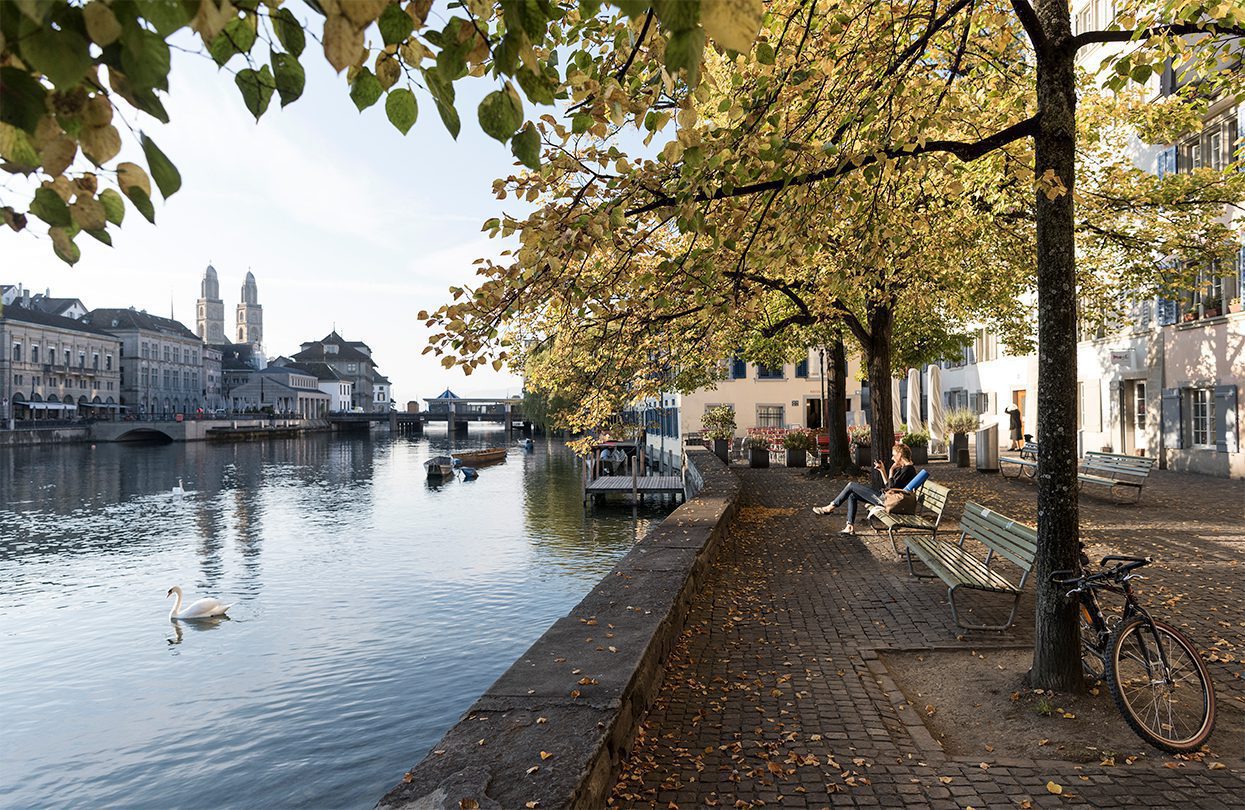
<point x="124" y="319"/>
<point x="56" y="305"/>
<point x="344" y="352"/>
<point x="24" y="315"/>
<point x="446" y="394"/>
<point x="323" y="371"/>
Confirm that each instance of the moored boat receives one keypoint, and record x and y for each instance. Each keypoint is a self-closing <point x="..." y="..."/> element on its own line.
<point x="478" y="458"/>
<point x="439" y="466"/>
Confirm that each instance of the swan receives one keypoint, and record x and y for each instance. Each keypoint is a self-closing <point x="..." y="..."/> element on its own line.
<point x="177" y="490"/>
<point x="201" y="609"/>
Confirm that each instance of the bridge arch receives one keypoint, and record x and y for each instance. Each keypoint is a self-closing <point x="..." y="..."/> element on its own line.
<point x="145" y="434"/>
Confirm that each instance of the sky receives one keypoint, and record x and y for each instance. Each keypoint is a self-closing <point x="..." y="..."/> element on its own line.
<point x="345" y="222"/>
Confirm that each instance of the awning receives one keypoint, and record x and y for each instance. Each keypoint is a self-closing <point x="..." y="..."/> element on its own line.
<point x="48" y="406"/>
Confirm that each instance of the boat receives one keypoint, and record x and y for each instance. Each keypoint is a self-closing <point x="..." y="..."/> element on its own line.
<point x="469" y="473"/>
<point x="479" y="458"/>
<point x="527" y="445"/>
<point x="439" y="466"/>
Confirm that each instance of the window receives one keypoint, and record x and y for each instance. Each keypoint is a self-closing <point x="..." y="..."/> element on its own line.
<point x="67" y="358"/>
<point x="1203" y="417"/>
<point x="108" y="362"/>
<point x="768" y="373"/>
<point x="34" y="354"/>
<point x="17" y="352"/>
<point x="770" y="416"/>
<point x="95" y="361"/>
<point x="352" y="367"/>
<point x="81" y="359"/>
<point x="801" y="369"/>
<point x="1139" y="392"/>
<point x="166" y="354"/>
<point x="738" y="369"/>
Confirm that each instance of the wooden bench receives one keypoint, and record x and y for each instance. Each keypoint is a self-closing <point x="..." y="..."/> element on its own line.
<point x="1025" y="464"/>
<point x="960" y="568"/>
<point x="931" y="498"/>
<point x="1118" y="473"/>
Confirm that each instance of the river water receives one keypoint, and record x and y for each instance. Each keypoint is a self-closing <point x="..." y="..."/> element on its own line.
<point x="371" y="609"/>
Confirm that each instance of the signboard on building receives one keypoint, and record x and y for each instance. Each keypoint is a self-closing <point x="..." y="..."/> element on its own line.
<point x="1122" y="357"/>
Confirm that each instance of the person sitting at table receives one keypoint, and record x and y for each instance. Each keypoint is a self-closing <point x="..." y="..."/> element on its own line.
<point x="900" y="474"/>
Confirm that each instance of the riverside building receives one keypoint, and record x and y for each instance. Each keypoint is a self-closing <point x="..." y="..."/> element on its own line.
<point x="162" y="369"/>
<point x="52" y="367"/>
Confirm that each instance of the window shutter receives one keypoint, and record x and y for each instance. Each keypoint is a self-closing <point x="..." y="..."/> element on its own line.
<point x="1226" y="436"/>
<point x="1173" y="424"/>
<point x="739" y="369"/>
<point x="1166" y="312"/>
<point x="1240" y="265"/>
<point x="801" y="368"/>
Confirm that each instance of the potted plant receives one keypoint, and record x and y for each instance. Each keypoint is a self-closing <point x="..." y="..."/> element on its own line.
<point x="960" y="423"/>
<point x="1234" y="305"/>
<point x="860" y="439"/>
<point x="758" y="451"/>
<point x="1190" y="316"/>
<point x="718" y="426"/>
<point x="1212" y="307"/>
<point x="798" y="444"/>
<point x="918" y="442"/>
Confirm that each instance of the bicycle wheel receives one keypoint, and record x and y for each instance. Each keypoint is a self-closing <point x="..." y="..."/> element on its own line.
<point x="1171" y="707"/>
<point x="1093" y="657"/>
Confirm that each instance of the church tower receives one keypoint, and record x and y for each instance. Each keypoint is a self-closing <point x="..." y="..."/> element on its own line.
<point x="210" y="311"/>
<point x="250" y="314"/>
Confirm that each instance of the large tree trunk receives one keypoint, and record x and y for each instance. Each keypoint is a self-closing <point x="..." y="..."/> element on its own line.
<point x="836" y="407"/>
<point x="1056" y="654"/>
<point x="878" y="363"/>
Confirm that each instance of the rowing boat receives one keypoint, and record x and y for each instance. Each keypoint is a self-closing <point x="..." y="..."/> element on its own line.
<point x="478" y="458"/>
<point x="439" y="466"/>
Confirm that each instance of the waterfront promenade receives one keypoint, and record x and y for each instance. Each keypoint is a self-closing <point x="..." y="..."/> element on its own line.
<point x="781" y="692"/>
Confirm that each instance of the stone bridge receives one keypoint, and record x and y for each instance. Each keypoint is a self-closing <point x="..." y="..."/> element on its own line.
<point x="170" y="431"/>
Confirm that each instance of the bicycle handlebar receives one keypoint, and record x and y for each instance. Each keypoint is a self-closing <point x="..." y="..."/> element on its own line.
<point x="1072" y="577"/>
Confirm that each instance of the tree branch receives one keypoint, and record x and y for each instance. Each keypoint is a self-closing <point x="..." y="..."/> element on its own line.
<point x="1174" y="29"/>
<point x="965" y="151"/>
<point x="1031" y="23"/>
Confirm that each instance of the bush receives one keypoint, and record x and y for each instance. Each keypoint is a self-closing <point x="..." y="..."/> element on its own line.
<point x="917" y="438"/>
<point x="963" y="420"/>
<point x="718" y="423"/>
<point x="860" y="435"/>
<point x="756" y="443"/>
<point x="798" y="440"/>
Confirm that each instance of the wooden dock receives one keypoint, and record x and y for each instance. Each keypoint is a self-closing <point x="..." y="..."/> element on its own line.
<point x="641" y="485"/>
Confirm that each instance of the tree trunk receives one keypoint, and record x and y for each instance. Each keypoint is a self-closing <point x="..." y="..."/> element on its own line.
<point x="878" y="364"/>
<point x="1057" y="650"/>
<point x="836" y="407"/>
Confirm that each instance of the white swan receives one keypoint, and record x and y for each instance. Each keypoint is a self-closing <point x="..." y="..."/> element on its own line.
<point x="177" y="490"/>
<point x="201" y="609"/>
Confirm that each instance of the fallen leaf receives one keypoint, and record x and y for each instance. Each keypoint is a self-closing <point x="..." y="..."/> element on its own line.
<point x="468" y="804"/>
<point x="1057" y="789"/>
<point x="1216" y="766"/>
<point x="946" y="780"/>
<point x="545" y="755"/>
<point x="407" y="777"/>
<point x="533" y="770"/>
<point x="531" y="805"/>
<point x="540" y="721"/>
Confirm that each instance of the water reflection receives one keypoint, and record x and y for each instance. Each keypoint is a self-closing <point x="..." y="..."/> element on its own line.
<point x="371" y="608"/>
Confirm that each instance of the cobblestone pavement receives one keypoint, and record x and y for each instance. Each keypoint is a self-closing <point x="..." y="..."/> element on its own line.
<point x="775" y="696"/>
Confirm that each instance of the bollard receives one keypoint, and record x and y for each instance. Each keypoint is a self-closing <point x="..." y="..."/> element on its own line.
<point x="961" y="457"/>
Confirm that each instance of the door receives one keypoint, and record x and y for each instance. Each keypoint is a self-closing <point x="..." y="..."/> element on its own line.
<point x="1018" y="399"/>
<point x="812" y="414"/>
<point x="1139" y="416"/>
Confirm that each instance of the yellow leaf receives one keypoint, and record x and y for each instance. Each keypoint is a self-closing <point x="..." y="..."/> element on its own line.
<point x="1057" y="789"/>
<point x="387" y="70"/>
<point x="88" y="212"/>
<point x="468" y="804"/>
<point x="733" y="24"/>
<point x="342" y="42"/>
<point x="57" y="155"/>
<point x="545" y="755"/>
<point x="101" y="24"/>
<point x="531" y="805"/>
<point x="131" y="175"/>
<point x="100" y="144"/>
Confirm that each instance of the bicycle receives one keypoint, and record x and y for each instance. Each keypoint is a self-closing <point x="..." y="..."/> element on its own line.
<point x="1155" y="675"/>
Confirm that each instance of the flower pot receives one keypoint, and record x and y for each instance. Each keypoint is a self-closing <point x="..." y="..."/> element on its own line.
<point x="722" y="449"/>
<point x="862" y="455"/>
<point x="920" y="453"/>
<point x="1189" y="317"/>
<point x="758" y="456"/>
<point x="1212" y="313"/>
<point x="797" y="458"/>
<point x="1234" y="308"/>
<point x="959" y="441"/>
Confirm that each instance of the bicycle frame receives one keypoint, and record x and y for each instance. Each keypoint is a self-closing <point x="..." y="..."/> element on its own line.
<point x="1087" y="597"/>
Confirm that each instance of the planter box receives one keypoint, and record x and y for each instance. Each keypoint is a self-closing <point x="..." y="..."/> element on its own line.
<point x="863" y="456"/>
<point x="722" y="449"/>
<point x="758" y="456"/>
<point x="920" y="454"/>
<point x="1234" y="308"/>
<point x="959" y="441"/>
<point x="797" y="458"/>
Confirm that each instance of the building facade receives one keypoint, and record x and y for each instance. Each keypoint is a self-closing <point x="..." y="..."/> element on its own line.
<point x="283" y="390"/>
<point x="53" y="367"/>
<point x="352" y="362"/>
<point x="250" y="320"/>
<point x="162" y="371"/>
<point x="210" y="309"/>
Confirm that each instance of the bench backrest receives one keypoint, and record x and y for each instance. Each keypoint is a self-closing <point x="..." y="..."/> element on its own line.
<point x="932" y="497"/>
<point x="1116" y="465"/>
<point x="1014" y="540"/>
<point x="1030" y="450"/>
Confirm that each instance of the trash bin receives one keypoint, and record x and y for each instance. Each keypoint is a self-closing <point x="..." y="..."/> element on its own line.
<point x="988" y="448"/>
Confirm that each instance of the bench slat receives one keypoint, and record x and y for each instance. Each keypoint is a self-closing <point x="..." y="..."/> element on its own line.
<point x="956" y="566"/>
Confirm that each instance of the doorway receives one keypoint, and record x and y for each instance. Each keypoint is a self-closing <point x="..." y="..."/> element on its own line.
<point x="812" y="414"/>
<point x="1018" y="399"/>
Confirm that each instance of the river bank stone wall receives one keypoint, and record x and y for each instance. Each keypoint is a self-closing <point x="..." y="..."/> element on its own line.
<point x="554" y="726"/>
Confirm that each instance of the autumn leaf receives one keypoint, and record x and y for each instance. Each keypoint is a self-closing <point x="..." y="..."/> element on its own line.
<point x="1054" y="787"/>
<point x="545" y="755"/>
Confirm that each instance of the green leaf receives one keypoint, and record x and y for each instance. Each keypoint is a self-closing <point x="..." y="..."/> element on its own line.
<point x="162" y="170"/>
<point x="685" y="50"/>
<point x="238" y="36"/>
<point x="63" y="246"/>
<point x="395" y="24"/>
<point x="100" y="235"/>
<point x="1141" y="73"/>
<point x="289" y="76"/>
<point x="500" y="114"/>
<point x="256" y="87"/>
<point x="401" y="108"/>
<point x="677" y="15"/>
<point x="443" y="94"/>
<point x="24" y="101"/>
<point x="526" y="146"/>
<point x="289" y="31"/>
<point x="49" y="207"/>
<point x="506" y="54"/>
<point x="537" y="87"/>
<point x="144" y="59"/>
<point x="166" y="16"/>
<point x="142" y="202"/>
<point x="63" y="56"/>
<point x="765" y="53"/>
<point x="365" y="89"/>
<point x="580" y="123"/>
<point x="114" y="205"/>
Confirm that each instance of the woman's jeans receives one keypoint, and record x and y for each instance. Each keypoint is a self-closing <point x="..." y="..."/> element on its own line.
<point x="854" y="493"/>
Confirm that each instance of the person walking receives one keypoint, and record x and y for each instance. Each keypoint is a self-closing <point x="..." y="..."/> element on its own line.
<point x="900" y="474"/>
<point x="1016" y="428"/>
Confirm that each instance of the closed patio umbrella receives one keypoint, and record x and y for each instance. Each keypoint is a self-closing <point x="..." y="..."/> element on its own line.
<point x="937" y="419"/>
<point x="914" y="400"/>
<point x="896" y="407"/>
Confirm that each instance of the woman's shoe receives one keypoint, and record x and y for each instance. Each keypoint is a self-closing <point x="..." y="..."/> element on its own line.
<point x="848" y="530"/>
<point x="823" y="510"/>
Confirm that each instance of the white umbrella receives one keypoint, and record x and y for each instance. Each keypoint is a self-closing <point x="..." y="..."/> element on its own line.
<point x="914" y="400"/>
<point x="896" y="408"/>
<point x="937" y="420"/>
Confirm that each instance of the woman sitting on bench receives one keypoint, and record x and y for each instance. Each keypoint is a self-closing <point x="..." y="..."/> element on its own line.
<point x="901" y="473"/>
